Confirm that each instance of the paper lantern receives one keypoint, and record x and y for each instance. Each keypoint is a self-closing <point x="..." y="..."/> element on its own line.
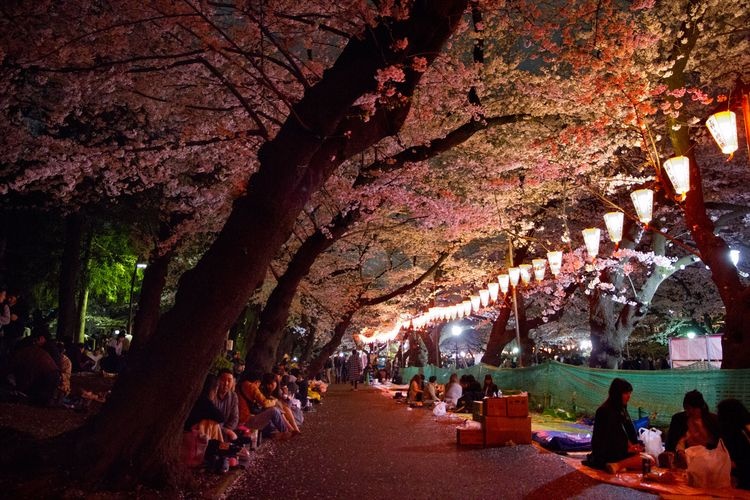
<point x="504" y="281"/>
<point x="466" y="304"/>
<point x="734" y="256"/>
<point x="476" y="302"/>
<point x="555" y="262"/>
<point x="484" y="296"/>
<point x="723" y="128"/>
<point x="493" y="288"/>
<point x="514" y="273"/>
<point x="540" y="266"/>
<point x="643" y="200"/>
<point x="592" y="236"/>
<point x="525" y="273"/>
<point x="614" y="221"/>
<point x="678" y="171"/>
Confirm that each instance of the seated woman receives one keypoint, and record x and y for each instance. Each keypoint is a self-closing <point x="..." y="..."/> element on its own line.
<point x="614" y="446"/>
<point x="256" y="411"/>
<point x="453" y="391"/>
<point x="269" y="387"/>
<point x="489" y="389"/>
<point x="205" y="416"/>
<point x="734" y="425"/>
<point x="695" y="426"/>
<point x="414" y="395"/>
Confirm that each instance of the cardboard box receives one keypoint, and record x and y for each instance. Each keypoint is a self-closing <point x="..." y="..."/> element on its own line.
<point x="499" y="430"/>
<point x="477" y="410"/>
<point x="495" y="407"/>
<point x="469" y="436"/>
<point x="517" y="406"/>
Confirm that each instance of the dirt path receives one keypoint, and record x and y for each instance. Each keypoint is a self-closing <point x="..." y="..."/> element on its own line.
<point x="363" y="445"/>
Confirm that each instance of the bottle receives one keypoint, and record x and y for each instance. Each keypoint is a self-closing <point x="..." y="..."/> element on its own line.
<point x="646" y="465"/>
<point x="499" y="393"/>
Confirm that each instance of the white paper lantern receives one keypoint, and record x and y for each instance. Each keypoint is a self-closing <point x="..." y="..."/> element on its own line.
<point x="484" y="296"/>
<point x="504" y="281"/>
<point x="592" y="236"/>
<point x="723" y="128"/>
<point x="614" y="222"/>
<point x="643" y="200"/>
<point x="525" y="273"/>
<point x="514" y="274"/>
<point x="476" y="302"/>
<point x="466" y="304"/>
<point x="678" y="171"/>
<point x="493" y="288"/>
<point x="540" y="266"/>
<point x="555" y="262"/>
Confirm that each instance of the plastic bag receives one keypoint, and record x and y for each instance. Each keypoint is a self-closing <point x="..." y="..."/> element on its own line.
<point x="439" y="409"/>
<point x="652" y="444"/>
<point x="709" y="468"/>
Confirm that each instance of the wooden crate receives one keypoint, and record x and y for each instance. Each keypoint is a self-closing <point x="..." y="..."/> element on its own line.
<point x="495" y="407"/>
<point x="517" y="406"/>
<point x="499" y="430"/>
<point x="469" y="436"/>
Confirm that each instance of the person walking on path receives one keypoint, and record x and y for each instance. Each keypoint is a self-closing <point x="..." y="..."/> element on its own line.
<point x="354" y="368"/>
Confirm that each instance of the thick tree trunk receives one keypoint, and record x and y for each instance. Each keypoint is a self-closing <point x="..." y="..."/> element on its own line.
<point x="149" y="302"/>
<point x="500" y="335"/>
<point x="263" y="352"/>
<point x="330" y="347"/>
<point x="431" y="339"/>
<point x="316" y="138"/>
<point x="69" y="272"/>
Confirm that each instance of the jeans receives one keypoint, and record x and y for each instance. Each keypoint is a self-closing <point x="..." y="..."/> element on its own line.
<point x="268" y="420"/>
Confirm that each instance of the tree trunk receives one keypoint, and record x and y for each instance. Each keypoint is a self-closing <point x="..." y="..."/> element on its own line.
<point x="83" y="298"/>
<point x="149" y="302"/>
<point x="330" y="347"/>
<point x="69" y="271"/>
<point x="431" y="339"/>
<point x="500" y="335"/>
<point x="318" y="135"/>
<point x="263" y="352"/>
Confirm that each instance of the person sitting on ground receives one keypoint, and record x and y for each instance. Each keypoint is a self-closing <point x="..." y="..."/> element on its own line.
<point x="302" y="385"/>
<point x="430" y="390"/>
<point x="66" y="368"/>
<point x="489" y="389"/>
<point x="734" y="425"/>
<point x="257" y="412"/>
<point x="453" y="391"/>
<point x="205" y="417"/>
<point x="695" y="426"/>
<point x="472" y="391"/>
<point x="269" y="387"/>
<point x="414" y="394"/>
<point x="226" y="401"/>
<point x="614" y="445"/>
<point x="35" y="373"/>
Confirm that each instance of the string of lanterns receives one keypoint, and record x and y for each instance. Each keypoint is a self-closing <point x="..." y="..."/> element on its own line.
<point x="723" y="128"/>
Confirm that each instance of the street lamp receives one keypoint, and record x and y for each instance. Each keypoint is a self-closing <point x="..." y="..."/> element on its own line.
<point x="138" y="265"/>
<point x="456" y="331"/>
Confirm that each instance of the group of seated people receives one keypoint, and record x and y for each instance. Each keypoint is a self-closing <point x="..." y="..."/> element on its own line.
<point x="615" y="445"/>
<point x="232" y="411"/>
<point x="458" y="394"/>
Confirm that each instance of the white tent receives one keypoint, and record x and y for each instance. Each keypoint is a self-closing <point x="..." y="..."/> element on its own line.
<point x="685" y="351"/>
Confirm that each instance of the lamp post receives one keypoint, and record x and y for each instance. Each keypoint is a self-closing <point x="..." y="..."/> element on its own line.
<point x="456" y="331"/>
<point x="514" y="274"/>
<point x="138" y="265"/>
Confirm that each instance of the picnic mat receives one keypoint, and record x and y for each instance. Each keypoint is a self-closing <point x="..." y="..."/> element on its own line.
<point x="678" y="488"/>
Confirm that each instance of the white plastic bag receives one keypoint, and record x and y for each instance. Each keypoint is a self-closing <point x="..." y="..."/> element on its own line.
<point x="439" y="409"/>
<point x="651" y="439"/>
<point x="709" y="468"/>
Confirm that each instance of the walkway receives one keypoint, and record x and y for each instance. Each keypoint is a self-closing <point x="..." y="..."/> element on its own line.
<point x="362" y="445"/>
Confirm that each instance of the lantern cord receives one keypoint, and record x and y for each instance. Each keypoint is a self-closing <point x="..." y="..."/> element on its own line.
<point x="630" y="216"/>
